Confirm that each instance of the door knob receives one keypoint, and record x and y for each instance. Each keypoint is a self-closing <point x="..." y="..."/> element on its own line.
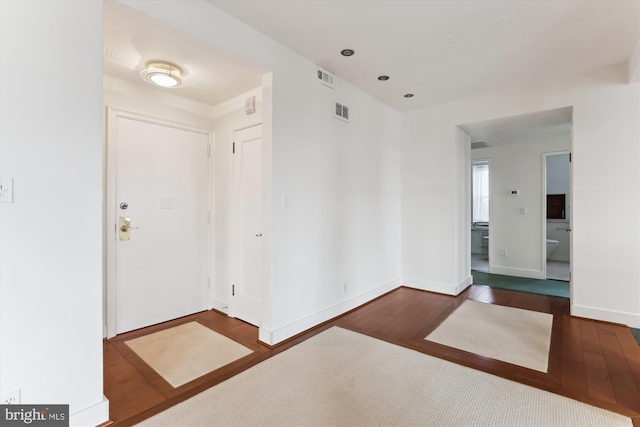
<point x="124" y="223"/>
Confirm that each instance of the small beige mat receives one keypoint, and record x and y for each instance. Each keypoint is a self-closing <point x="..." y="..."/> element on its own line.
<point x="186" y="352"/>
<point x="513" y="335"/>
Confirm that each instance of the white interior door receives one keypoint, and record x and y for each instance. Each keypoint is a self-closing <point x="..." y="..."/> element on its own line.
<point x="247" y="207"/>
<point x="162" y="177"/>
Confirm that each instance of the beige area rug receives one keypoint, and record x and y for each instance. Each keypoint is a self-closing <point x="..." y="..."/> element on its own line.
<point x="513" y="335"/>
<point x="186" y="352"/>
<point x="342" y="378"/>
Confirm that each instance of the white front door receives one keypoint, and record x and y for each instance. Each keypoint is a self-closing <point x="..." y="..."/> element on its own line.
<point x="247" y="211"/>
<point x="162" y="186"/>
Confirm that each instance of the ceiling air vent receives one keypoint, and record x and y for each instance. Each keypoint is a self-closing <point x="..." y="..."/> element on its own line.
<point x="324" y="77"/>
<point x="341" y="112"/>
<point x="479" y="144"/>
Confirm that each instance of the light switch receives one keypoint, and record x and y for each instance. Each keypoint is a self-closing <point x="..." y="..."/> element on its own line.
<point x="285" y="200"/>
<point x="6" y="190"/>
<point x="523" y="211"/>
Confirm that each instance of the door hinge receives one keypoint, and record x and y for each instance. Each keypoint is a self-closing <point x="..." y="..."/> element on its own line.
<point x="208" y="282"/>
<point x="208" y="217"/>
<point x="234" y="148"/>
<point x="233" y="290"/>
<point x="569" y="157"/>
<point x="209" y="150"/>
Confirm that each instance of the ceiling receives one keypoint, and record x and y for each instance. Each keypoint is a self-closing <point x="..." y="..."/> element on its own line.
<point x="442" y="51"/>
<point x="526" y="128"/>
<point x="132" y="40"/>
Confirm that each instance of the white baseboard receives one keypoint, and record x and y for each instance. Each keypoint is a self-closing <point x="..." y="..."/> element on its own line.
<point x="630" y="319"/>
<point x="559" y="258"/>
<point x="517" y="272"/>
<point x="92" y="416"/>
<point x="464" y="284"/>
<point x="221" y="305"/>
<point x="440" y="288"/>
<point x="273" y="337"/>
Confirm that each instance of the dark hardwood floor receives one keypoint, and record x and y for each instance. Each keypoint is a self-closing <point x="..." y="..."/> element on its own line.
<point x="594" y="362"/>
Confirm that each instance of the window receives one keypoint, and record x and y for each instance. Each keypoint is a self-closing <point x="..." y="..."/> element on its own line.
<point x="480" y="191"/>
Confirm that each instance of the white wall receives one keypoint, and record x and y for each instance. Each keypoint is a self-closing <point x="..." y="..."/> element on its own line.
<point x="145" y="99"/>
<point x="50" y="237"/>
<point x="518" y="167"/>
<point x="343" y="179"/>
<point x="606" y="172"/>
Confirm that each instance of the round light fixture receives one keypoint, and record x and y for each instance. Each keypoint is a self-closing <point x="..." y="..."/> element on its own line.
<point x="347" y="52"/>
<point x="163" y="75"/>
<point x="383" y="78"/>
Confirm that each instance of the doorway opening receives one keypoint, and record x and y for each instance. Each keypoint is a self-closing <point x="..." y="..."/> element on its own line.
<point x="515" y="236"/>
<point x="557" y="208"/>
<point x="480" y="215"/>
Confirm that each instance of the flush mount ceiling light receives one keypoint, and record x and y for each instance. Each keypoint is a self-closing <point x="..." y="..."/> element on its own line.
<point x="164" y="75"/>
<point x="347" y="52"/>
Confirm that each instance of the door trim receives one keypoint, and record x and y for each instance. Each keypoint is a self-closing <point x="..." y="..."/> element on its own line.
<point x="546" y="155"/>
<point x="110" y="214"/>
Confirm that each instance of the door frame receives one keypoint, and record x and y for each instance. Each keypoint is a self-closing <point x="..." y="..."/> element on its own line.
<point x="246" y="124"/>
<point x="488" y="161"/>
<point x="110" y="214"/>
<point x="544" y="210"/>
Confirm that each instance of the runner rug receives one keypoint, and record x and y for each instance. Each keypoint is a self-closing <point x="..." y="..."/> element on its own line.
<point x="342" y="378"/>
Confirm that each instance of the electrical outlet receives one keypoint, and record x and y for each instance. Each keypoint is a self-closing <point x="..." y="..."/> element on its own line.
<point x="11" y="398"/>
<point x="503" y="252"/>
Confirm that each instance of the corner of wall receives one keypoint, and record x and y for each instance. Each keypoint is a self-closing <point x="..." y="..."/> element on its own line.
<point x="92" y="416"/>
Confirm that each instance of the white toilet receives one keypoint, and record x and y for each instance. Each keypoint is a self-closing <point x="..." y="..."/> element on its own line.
<point x="552" y="245"/>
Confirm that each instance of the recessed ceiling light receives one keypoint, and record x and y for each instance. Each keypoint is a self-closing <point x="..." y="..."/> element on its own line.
<point x="408" y="95"/>
<point x="347" y="52"/>
<point x="163" y="75"/>
<point x="499" y="22"/>
<point x="383" y="78"/>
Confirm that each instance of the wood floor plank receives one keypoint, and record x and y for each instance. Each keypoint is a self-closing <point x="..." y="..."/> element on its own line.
<point x="631" y="350"/>
<point x="574" y="376"/>
<point x="128" y="391"/>
<point x="624" y="385"/>
<point x="598" y="380"/>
